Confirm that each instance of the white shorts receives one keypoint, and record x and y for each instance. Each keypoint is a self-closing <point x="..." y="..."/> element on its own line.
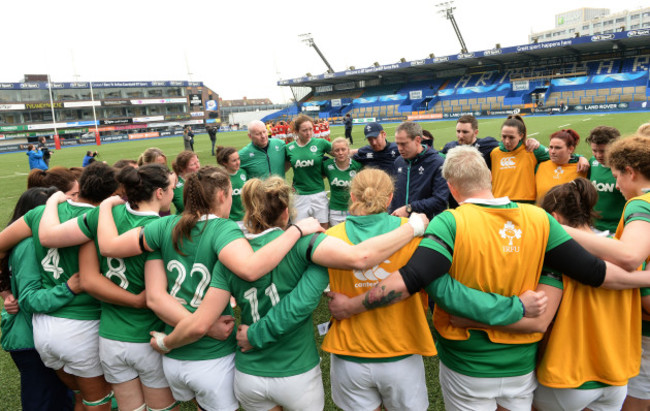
<point x="462" y="392"/>
<point x="599" y="399"/>
<point x="337" y="217"/>
<point x="209" y="381"/>
<point x="297" y="392"/>
<point x="399" y="385"/>
<point x="124" y="361"/>
<point x="312" y="205"/>
<point x="639" y="386"/>
<point x="69" y="344"/>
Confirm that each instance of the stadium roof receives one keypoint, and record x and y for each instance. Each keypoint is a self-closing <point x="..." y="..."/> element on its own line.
<point x="585" y="45"/>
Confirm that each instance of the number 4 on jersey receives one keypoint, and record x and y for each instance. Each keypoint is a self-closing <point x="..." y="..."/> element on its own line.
<point x="50" y="263"/>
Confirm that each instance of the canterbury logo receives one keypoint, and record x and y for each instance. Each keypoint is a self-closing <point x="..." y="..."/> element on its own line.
<point x="508" y="162"/>
<point x="376" y="273"/>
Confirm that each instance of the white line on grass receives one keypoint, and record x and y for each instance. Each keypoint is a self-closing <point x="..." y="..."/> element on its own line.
<point x="533" y="134"/>
<point x="14" y="175"/>
<point x="587" y="119"/>
<point x="564" y="125"/>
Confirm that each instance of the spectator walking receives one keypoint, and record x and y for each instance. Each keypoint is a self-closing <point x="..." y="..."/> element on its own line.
<point x="212" y="133"/>
<point x="46" y="151"/>
<point x="347" y="122"/>
<point x="188" y="138"/>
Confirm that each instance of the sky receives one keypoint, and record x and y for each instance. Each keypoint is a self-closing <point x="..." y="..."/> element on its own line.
<point x="242" y="48"/>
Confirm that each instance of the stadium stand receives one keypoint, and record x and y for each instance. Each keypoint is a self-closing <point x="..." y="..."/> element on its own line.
<point x="547" y="77"/>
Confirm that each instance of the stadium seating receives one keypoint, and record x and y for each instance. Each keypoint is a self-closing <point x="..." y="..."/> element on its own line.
<point x="595" y="80"/>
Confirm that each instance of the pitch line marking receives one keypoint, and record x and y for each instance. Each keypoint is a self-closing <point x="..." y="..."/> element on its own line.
<point x="533" y="134"/>
<point x="587" y="119"/>
<point x="564" y="125"/>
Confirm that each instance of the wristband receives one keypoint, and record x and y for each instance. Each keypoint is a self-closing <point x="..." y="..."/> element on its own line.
<point x="299" y="230"/>
<point x="418" y="225"/>
<point x="159" y="337"/>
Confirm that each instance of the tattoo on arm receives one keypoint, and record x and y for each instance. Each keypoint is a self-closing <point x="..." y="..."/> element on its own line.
<point x="376" y="297"/>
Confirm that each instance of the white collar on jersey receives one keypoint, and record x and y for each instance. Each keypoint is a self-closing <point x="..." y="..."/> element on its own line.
<point x="206" y="217"/>
<point x="76" y="204"/>
<point x="250" y="236"/>
<point x="492" y="201"/>
<point x="343" y="169"/>
<point x="140" y="213"/>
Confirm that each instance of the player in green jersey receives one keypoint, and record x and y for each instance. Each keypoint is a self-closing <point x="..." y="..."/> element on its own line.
<point x="67" y="339"/>
<point x="289" y="370"/>
<point x="177" y="275"/>
<point x="629" y="160"/>
<point x="339" y="172"/>
<point x="135" y="374"/>
<point x="40" y="387"/>
<point x="228" y="157"/>
<point x="306" y="158"/>
<point x="186" y="162"/>
<point x="610" y="200"/>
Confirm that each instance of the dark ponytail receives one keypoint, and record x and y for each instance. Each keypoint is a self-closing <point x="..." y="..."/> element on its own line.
<point x="199" y="197"/>
<point x="141" y="183"/>
<point x="574" y="201"/>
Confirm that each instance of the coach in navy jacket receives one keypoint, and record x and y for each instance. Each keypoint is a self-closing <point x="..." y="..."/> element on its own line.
<point x="419" y="184"/>
<point x="379" y="153"/>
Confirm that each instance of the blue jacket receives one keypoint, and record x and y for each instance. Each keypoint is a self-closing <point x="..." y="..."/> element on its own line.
<point x="383" y="160"/>
<point x="485" y="145"/>
<point x="419" y="182"/>
<point x="36" y="160"/>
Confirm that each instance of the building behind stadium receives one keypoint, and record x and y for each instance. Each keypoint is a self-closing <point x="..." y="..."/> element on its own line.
<point x="590" y="21"/>
<point x="123" y="110"/>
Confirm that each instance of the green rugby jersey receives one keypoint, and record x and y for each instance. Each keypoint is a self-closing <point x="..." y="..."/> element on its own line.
<point x="340" y="182"/>
<point x="262" y="163"/>
<point x="189" y="275"/>
<point x="307" y="163"/>
<point x="237" y="209"/>
<point x="118" y="322"/>
<point x="478" y="356"/>
<point x="610" y="200"/>
<point x="59" y="264"/>
<point x="177" y="200"/>
<point x="296" y="352"/>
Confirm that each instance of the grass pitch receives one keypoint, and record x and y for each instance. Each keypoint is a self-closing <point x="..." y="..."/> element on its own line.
<point x="14" y="169"/>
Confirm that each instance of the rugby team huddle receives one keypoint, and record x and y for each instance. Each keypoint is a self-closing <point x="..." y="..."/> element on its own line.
<point x="108" y="296"/>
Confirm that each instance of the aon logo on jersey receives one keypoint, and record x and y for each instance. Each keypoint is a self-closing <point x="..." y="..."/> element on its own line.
<point x="604" y="186"/>
<point x="304" y="163"/>
<point x="340" y="183"/>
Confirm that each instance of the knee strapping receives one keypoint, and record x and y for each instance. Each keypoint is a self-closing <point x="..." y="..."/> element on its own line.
<point x="102" y="401"/>
<point x="143" y="407"/>
<point x="168" y="408"/>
